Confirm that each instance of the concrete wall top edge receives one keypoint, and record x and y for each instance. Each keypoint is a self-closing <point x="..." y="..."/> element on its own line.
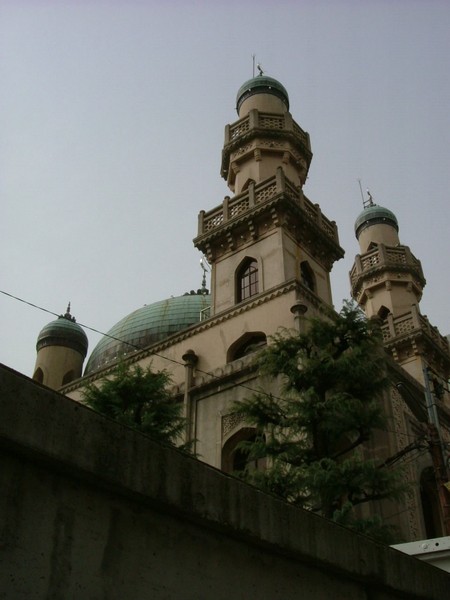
<point x="45" y="426"/>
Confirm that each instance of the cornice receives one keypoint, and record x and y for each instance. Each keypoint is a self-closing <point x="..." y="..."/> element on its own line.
<point x="293" y="285"/>
<point x="295" y="138"/>
<point x="389" y="269"/>
<point x="280" y="210"/>
<point x="411" y="338"/>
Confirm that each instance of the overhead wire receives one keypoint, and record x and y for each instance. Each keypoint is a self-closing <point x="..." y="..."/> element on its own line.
<point x="134" y="346"/>
<point x="172" y="360"/>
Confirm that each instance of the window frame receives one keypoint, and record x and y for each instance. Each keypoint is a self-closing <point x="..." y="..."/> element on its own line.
<point x="247" y="279"/>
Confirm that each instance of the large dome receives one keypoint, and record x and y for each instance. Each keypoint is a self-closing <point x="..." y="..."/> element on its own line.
<point x="261" y="85"/>
<point x="147" y="325"/>
<point x="64" y="331"/>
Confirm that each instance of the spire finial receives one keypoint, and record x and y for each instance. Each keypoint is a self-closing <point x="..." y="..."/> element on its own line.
<point x="68" y="316"/>
<point x="370" y="201"/>
<point x="204" y="267"/>
<point x="366" y="202"/>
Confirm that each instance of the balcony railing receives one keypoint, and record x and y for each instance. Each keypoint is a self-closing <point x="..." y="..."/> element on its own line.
<point x="232" y="208"/>
<point x="409" y="322"/>
<point x="259" y="120"/>
<point x="385" y="256"/>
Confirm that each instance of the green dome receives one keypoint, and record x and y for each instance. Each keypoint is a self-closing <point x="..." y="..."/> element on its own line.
<point x="147" y="325"/>
<point x="373" y="215"/>
<point x="261" y="85"/>
<point x="63" y="332"/>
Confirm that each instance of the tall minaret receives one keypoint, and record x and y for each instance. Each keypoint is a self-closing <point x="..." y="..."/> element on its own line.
<point x="387" y="282"/>
<point x="268" y="235"/>
<point x="61" y="349"/>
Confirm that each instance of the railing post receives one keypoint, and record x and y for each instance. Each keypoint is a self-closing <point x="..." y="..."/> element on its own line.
<point x="382" y="253"/>
<point x="201" y="218"/>
<point x="319" y="215"/>
<point x="253" y="118"/>
<point x="227" y="134"/>
<point x="415" y="316"/>
<point x="390" y="321"/>
<point x="251" y="194"/>
<point x="280" y="180"/>
<point x="225" y="208"/>
<point x="288" y="121"/>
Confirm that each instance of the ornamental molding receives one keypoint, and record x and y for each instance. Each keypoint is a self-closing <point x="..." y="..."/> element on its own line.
<point x="293" y="285"/>
<point x="230" y="423"/>
<point x="282" y="211"/>
<point x="387" y="272"/>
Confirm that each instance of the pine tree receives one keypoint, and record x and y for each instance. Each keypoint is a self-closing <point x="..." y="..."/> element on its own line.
<point x="312" y="433"/>
<point x="139" y="398"/>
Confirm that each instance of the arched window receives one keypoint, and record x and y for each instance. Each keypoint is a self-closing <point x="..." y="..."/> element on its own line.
<point x="247" y="184"/>
<point x="68" y="377"/>
<point x="38" y="375"/>
<point x="247" y="280"/>
<point x="246" y="344"/>
<point x="383" y="312"/>
<point x="234" y="459"/>
<point x="307" y="276"/>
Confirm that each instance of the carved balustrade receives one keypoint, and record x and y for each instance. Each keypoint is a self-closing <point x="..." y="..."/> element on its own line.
<point x="411" y="322"/>
<point x="386" y="257"/>
<point x="259" y="194"/>
<point x="266" y="121"/>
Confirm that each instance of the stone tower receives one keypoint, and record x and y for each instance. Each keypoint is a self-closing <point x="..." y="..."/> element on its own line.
<point x="387" y="281"/>
<point x="268" y="235"/>
<point x="61" y="349"/>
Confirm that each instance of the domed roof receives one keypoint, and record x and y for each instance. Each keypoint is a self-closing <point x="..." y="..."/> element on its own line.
<point x="372" y="215"/>
<point x="64" y="331"/>
<point x="262" y="84"/>
<point x="147" y="325"/>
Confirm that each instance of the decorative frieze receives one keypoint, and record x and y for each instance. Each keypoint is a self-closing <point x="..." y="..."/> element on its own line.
<point x="214" y="220"/>
<point x="229" y="423"/>
<point x="401" y="416"/>
<point x="395" y="263"/>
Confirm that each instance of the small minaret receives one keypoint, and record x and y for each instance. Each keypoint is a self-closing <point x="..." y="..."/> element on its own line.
<point x="387" y="281"/>
<point x="386" y="277"/>
<point x="61" y="349"/>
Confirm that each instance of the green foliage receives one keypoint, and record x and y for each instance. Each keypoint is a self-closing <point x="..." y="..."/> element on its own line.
<point x="312" y="435"/>
<point x="138" y="398"/>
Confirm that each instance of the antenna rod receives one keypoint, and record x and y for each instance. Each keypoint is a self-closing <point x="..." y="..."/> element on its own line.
<point x="362" y="195"/>
<point x="253" y="56"/>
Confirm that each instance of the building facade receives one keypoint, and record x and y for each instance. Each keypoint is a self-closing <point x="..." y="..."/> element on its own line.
<point x="271" y="251"/>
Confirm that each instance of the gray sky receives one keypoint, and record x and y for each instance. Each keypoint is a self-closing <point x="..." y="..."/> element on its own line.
<point x="112" y="116"/>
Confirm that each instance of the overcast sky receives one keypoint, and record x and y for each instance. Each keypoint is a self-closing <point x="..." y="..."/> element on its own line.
<point x="112" y="116"/>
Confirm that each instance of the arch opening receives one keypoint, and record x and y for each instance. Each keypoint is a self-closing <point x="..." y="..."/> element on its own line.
<point x="247" y="279"/>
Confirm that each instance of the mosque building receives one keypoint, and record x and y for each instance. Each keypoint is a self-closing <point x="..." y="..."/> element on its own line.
<point x="271" y="251"/>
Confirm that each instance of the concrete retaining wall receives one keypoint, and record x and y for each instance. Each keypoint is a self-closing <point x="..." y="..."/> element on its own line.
<point x="92" y="510"/>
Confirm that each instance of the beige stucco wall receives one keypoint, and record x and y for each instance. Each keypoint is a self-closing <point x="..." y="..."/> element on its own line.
<point x="267" y="103"/>
<point x="211" y="340"/>
<point x="55" y="362"/>
<point x="278" y="256"/>
<point x="246" y="167"/>
<point x="379" y="234"/>
<point x="397" y="297"/>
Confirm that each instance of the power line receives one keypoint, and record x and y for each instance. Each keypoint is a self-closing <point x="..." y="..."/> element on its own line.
<point x="177" y="362"/>
<point x="134" y="346"/>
